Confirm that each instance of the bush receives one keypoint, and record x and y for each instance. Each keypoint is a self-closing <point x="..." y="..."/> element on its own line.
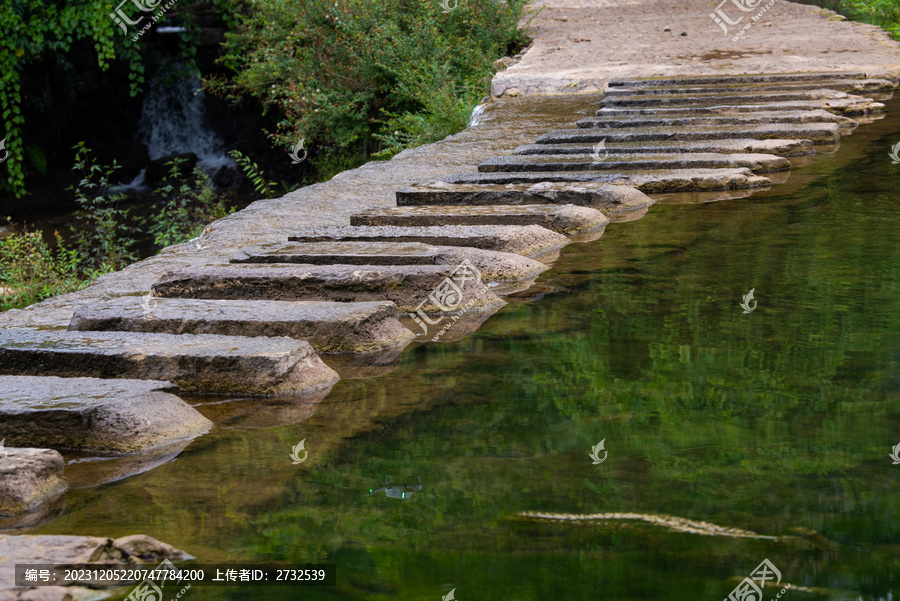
<point x="31" y="271"/>
<point x="885" y="11"/>
<point x="360" y="77"/>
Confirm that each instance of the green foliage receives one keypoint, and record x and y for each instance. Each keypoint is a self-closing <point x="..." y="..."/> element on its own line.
<point x="358" y="76"/>
<point x="32" y="31"/>
<point x="104" y="238"/>
<point x="263" y="187"/>
<point x="886" y="10"/>
<point x="193" y="203"/>
<point x="30" y="270"/>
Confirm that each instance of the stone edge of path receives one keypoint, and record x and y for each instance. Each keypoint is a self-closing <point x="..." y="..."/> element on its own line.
<point x="29" y="477"/>
<point x="140" y="415"/>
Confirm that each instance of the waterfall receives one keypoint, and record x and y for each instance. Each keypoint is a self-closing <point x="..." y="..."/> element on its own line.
<point x="173" y="121"/>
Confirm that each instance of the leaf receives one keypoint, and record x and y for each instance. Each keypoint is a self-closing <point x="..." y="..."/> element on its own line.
<point x="37" y="159"/>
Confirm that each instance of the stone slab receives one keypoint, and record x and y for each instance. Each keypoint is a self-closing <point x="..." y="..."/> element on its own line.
<point x="528" y="241"/>
<point x="565" y="219"/>
<point x="857" y="86"/>
<point x="328" y="326"/>
<point x="404" y="285"/>
<point x="817" y="79"/>
<point x="850" y="106"/>
<point x="820" y="133"/>
<point x="199" y="363"/>
<point x="28" y="478"/>
<point x="756" y="162"/>
<point x="715" y="99"/>
<point x="663" y="180"/>
<point x="91" y="414"/>
<point x="494" y="266"/>
<point x="779" y="147"/>
<point x="753" y="118"/>
<point x="608" y="199"/>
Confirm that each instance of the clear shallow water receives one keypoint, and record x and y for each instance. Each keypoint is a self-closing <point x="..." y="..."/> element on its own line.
<point x="779" y="422"/>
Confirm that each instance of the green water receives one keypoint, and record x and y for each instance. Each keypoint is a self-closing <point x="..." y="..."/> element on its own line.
<point x="778" y="422"/>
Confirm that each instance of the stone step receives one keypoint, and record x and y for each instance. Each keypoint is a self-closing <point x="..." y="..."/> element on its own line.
<point x="727" y="79"/>
<point x="758" y="163"/>
<point x="820" y="133"/>
<point x="608" y="199"/>
<point x="201" y="363"/>
<point x="328" y="326"/>
<point x="716" y="99"/>
<point x="817" y="116"/>
<point x="90" y="414"/>
<point x="854" y="86"/>
<point x="565" y="219"/>
<point x="404" y="285"/>
<point x="673" y="180"/>
<point x="529" y="241"/>
<point x="784" y="148"/>
<point x="493" y="266"/>
<point x="29" y="477"/>
<point x="850" y="106"/>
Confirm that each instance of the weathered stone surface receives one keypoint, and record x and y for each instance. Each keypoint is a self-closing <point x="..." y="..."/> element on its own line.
<point x="849" y="106"/>
<point x="404" y="285"/>
<point x="714" y="99"/>
<point x="565" y="219"/>
<point x="29" y="477"/>
<point x="859" y="86"/>
<point x="662" y="180"/>
<point x="38" y="516"/>
<point x="528" y="241"/>
<point x="606" y="198"/>
<point x="201" y="363"/>
<point x="114" y="416"/>
<point x="92" y="469"/>
<point x="494" y="266"/>
<point x="817" y="116"/>
<point x="328" y="326"/>
<point x="741" y="79"/>
<point x="821" y="133"/>
<point x="65" y="550"/>
<point x="758" y="163"/>
<point x="779" y="147"/>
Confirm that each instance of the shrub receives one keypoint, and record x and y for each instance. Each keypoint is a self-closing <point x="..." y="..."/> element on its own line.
<point x="30" y="270"/>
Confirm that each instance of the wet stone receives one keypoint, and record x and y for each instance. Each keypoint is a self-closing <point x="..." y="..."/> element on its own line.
<point x="28" y="478"/>
<point x="201" y="363"/>
<point x="822" y="133"/>
<point x="493" y="265"/>
<point x="405" y="285"/>
<point x="675" y="180"/>
<point x="727" y="79"/>
<point x="855" y="86"/>
<point x="565" y="219"/>
<point x="758" y="163"/>
<point x="91" y="414"/>
<point x="328" y="326"/>
<point x="528" y="241"/>
<point x="713" y="99"/>
<point x="613" y="122"/>
<point x="608" y="199"/>
<point x="778" y="147"/>
<point x="849" y="106"/>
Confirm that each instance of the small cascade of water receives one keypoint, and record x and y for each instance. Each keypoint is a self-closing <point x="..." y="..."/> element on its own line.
<point x="173" y="121"/>
<point x="475" y="117"/>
